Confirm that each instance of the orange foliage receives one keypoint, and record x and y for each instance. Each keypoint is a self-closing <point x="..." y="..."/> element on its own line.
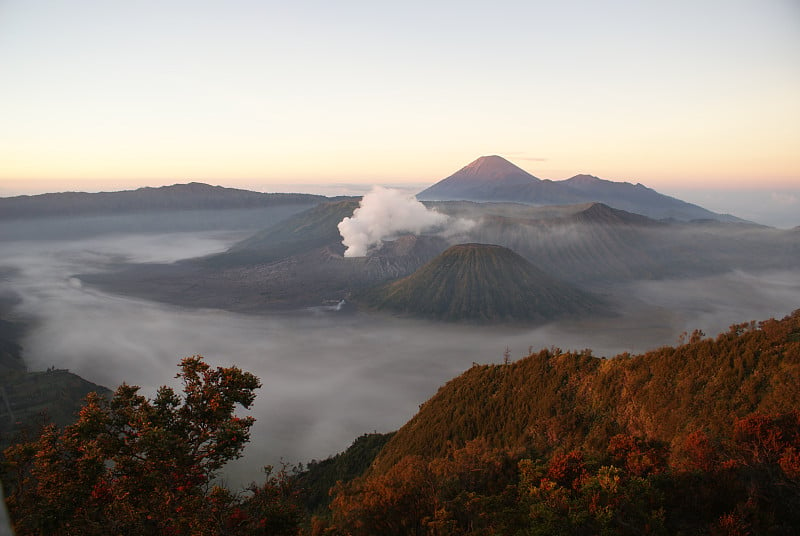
<point x="567" y="470"/>
<point x="130" y="465"/>
<point x="639" y="457"/>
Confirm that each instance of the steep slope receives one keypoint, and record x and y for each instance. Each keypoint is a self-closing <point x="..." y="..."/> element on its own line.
<point x="492" y="178"/>
<point x="564" y="400"/>
<point x="481" y="282"/>
<point x="319" y="477"/>
<point x="303" y="232"/>
<point x="488" y="177"/>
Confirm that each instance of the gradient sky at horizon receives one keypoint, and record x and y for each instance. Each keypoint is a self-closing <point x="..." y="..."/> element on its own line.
<point x="98" y="95"/>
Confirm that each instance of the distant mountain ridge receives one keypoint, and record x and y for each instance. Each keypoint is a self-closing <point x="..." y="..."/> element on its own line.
<point x="191" y="196"/>
<point x="493" y="178"/>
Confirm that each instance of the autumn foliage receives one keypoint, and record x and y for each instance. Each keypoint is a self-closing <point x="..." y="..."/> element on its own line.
<point x="701" y="438"/>
<point x="629" y="488"/>
<point x="130" y="465"/>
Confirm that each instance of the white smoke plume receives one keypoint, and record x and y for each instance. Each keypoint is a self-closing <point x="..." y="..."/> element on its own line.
<point x="384" y="214"/>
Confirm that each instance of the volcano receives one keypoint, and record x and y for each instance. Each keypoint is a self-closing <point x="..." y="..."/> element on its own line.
<point x="495" y="179"/>
<point x="489" y="178"/>
<point x="481" y="283"/>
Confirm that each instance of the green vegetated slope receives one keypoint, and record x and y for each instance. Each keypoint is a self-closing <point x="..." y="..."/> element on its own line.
<point x="481" y="282"/>
<point x="564" y="400"/>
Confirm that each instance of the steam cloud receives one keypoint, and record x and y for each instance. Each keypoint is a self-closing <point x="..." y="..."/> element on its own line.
<point x="385" y="213"/>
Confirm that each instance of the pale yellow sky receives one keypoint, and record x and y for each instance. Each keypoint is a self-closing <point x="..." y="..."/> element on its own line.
<point x="110" y="95"/>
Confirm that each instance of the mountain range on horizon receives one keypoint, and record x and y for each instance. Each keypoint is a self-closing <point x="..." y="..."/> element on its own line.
<point x="493" y="178"/>
<point x="487" y="179"/>
<point x="190" y="196"/>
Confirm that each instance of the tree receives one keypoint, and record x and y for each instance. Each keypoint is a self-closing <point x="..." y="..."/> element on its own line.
<point x="130" y="465"/>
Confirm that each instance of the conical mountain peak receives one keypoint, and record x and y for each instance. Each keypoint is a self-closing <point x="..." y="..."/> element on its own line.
<point x="493" y="167"/>
<point x="483" y="283"/>
<point x="493" y="178"/>
<point x="488" y="177"/>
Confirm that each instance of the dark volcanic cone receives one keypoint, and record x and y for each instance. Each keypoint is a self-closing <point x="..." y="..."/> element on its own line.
<point x="483" y="283"/>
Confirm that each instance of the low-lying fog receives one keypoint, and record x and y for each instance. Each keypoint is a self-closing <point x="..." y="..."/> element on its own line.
<point x="327" y="377"/>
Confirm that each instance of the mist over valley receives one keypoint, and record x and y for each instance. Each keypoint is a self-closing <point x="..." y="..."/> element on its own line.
<point x="399" y="269"/>
<point x="125" y="305"/>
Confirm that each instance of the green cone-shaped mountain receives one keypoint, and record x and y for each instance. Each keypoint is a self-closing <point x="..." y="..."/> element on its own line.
<point x="484" y="283"/>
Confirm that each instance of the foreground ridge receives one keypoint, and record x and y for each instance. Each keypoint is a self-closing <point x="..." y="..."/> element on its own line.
<point x="698" y="438"/>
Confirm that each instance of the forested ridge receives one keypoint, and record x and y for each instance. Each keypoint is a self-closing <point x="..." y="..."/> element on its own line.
<point x="570" y="399"/>
<point x="700" y="438"/>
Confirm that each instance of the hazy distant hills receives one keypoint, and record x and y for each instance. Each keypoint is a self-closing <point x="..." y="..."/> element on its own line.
<point x="192" y="196"/>
<point x="299" y="261"/>
<point x="481" y="282"/>
<point x="493" y="178"/>
<point x="295" y="256"/>
<point x="590" y="243"/>
<point x="593" y="244"/>
<point x="176" y="208"/>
